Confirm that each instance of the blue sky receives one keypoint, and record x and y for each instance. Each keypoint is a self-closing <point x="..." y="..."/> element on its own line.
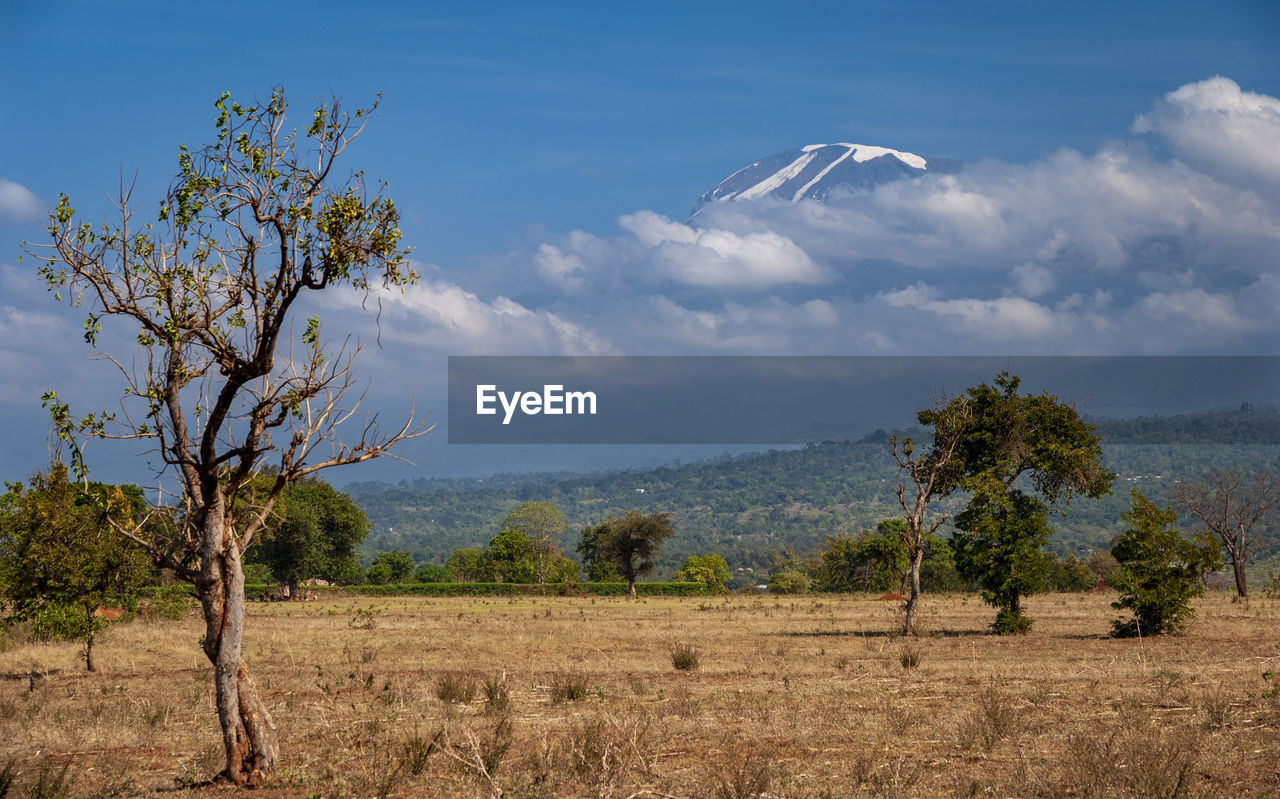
<point x="546" y="156"/>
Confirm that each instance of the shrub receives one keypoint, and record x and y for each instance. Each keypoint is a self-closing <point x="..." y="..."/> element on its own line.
<point x="496" y="694"/>
<point x="1011" y="622"/>
<point x="1158" y="572"/>
<point x="453" y="687"/>
<point x="569" y="688"/>
<point x="788" y="582"/>
<point x="684" y="657"/>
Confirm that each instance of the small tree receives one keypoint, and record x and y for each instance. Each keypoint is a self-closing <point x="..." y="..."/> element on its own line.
<point x="57" y="549"/>
<point x="468" y="565"/>
<point x="710" y="570"/>
<point x="1159" y="571"/>
<point x="632" y="543"/>
<point x="542" y="523"/>
<point x="221" y="382"/>
<point x="1230" y="503"/>
<point x="932" y="475"/>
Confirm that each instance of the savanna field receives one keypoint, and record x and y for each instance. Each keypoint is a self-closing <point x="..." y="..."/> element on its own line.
<point x="809" y="696"/>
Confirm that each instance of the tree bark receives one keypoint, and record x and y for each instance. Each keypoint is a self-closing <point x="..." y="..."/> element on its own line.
<point x="248" y="733"/>
<point x="1237" y="566"/>
<point x="913" y="599"/>
<point x="631" y="588"/>
<point x="88" y="638"/>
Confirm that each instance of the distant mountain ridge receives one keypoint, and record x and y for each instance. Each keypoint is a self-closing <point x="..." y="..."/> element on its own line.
<point x="748" y="506"/>
<point x="815" y="170"/>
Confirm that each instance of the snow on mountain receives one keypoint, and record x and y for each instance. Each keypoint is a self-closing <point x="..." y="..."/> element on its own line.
<point x="814" y="170"/>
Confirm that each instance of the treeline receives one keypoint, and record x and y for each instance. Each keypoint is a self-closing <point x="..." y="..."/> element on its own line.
<point x="746" y="508"/>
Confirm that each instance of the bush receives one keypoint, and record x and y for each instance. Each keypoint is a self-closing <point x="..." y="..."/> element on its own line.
<point x="569" y="688"/>
<point x="56" y="622"/>
<point x="684" y="657"/>
<point x="172" y="602"/>
<point x="1158" y="572"/>
<point x="452" y="687"/>
<point x="432" y="573"/>
<point x="788" y="582"/>
<point x="1010" y="622"/>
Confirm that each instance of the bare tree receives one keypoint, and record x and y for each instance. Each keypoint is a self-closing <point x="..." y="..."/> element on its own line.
<point x="1230" y="503"/>
<point x="931" y="474"/>
<point x="221" y="383"/>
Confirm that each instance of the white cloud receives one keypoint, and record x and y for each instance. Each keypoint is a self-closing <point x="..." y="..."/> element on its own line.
<point x="1215" y="125"/>
<point x="722" y="259"/>
<point x="441" y="317"/>
<point x="17" y="203"/>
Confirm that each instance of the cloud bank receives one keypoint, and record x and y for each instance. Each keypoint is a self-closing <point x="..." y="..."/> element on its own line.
<point x="1163" y="241"/>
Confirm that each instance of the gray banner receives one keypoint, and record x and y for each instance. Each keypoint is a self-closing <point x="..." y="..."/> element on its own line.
<point x="790" y="400"/>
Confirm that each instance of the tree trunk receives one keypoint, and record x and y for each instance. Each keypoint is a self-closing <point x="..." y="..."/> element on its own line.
<point x="631" y="588"/>
<point x="1015" y="604"/>
<point x="88" y="638"/>
<point x="248" y="734"/>
<point x="913" y="599"/>
<point x="1237" y="566"/>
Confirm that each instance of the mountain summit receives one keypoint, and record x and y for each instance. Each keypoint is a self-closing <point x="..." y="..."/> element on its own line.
<point x="812" y="171"/>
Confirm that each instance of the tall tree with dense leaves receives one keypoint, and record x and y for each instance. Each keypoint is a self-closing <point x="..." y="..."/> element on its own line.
<point x="542" y="523"/>
<point x="223" y="382"/>
<point x="1020" y="456"/>
<point x="1230" y="504"/>
<point x="57" y="549"/>
<point x="632" y="543"/>
<point x="313" y="534"/>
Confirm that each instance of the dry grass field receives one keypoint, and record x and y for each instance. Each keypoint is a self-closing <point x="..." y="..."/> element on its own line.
<point x="548" y="697"/>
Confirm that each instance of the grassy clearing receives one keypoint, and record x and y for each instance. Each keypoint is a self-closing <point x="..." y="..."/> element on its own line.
<point x="549" y="697"/>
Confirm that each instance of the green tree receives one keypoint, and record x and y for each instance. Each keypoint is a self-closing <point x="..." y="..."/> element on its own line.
<point x="1019" y="456"/>
<point x="468" y="565"/>
<point x="251" y="225"/>
<point x="1159" y="571"/>
<point x="57" y="549"/>
<point x="591" y="549"/>
<point x="632" y="543"/>
<point x="313" y="533"/>
<point x="510" y="557"/>
<point x="431" y="573"/>
<point x="399" y="565"/>
<point x="710" y="570"/>
<point x="542" y="523"/>
<point x="866" y="562"/>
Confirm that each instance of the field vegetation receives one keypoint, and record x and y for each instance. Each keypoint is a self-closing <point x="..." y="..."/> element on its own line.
<point x="726" y="696"/>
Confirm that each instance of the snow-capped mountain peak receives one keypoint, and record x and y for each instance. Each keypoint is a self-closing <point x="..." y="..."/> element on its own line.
<point x="813" y="170"/>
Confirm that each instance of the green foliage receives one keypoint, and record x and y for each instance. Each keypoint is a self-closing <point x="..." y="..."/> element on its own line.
<point x="1159" y="571"/>
<point x="399" y="566"/>
<point x="313" y="533"/>
<point x="525" y="589"/>
<point x="1019" y="455"/>
<point x="632" y="543"/>
<point x="59" y="557"/>
<point x="788" y="582"/>
<point x="510" y="557"/>
<point x="870" y="561"/>
<point x="1069" y="575"/>
<point x="468" y="565"/>
<point x="378" y="574"/>
<point x="1104" y="567"/>
<point x="541" y="523"/>
<point x="710" y="570"/>
<point x="590" y="549"/>
<point x="744" y="507"/>
<point x="432" y="573"/>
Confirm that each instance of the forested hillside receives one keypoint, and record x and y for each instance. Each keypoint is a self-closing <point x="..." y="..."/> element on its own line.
<point x="746" y="508"/>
